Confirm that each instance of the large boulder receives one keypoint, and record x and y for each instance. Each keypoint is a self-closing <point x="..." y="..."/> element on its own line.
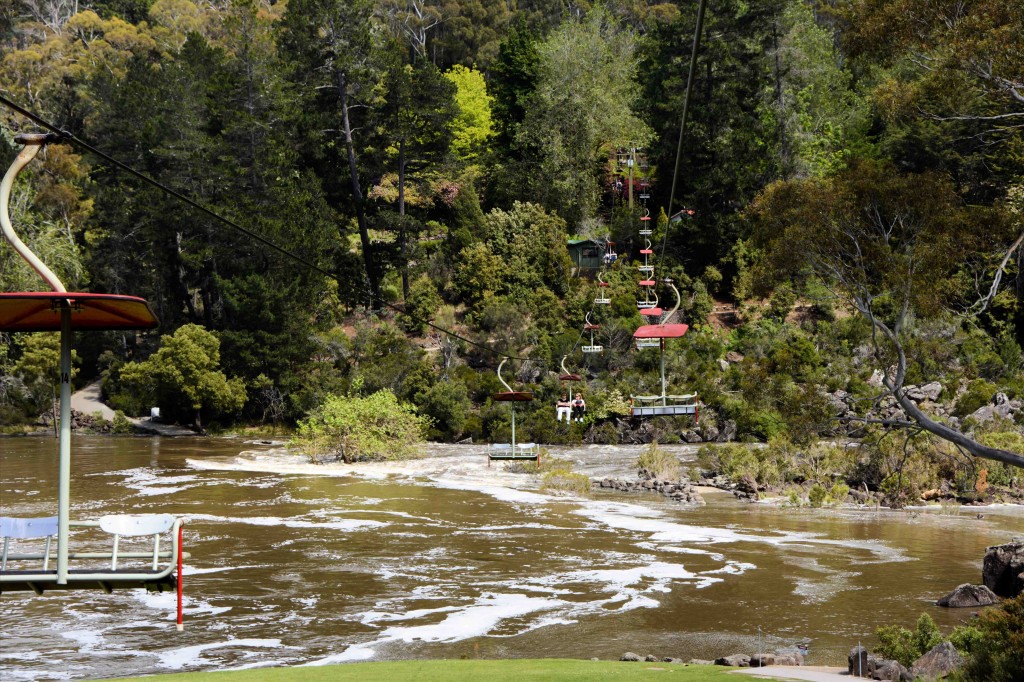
<point x="736" y="661"/>
<point x="1003" y="570"/>
<point x="939" y="662"/>
<point x="857" y="661"/>
<point x="968" y="596"/>
<point x="891" y="671"/>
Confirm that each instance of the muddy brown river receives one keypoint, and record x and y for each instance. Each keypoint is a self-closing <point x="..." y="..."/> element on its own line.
<point x="293" y="564"/>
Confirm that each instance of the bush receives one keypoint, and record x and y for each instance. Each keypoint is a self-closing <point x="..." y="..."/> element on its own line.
<point x="659" y="463"/>
<point x="121" y="423"/>
<point x="565" y="481"/>
<point x="816" y="495"/>
<point x="901" y="644"/>
<point x="377" y="427"/>
<point x="997" y="648"/>
<point x="978" y="394"/>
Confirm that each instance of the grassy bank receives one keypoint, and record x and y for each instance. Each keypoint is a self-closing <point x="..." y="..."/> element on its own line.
<point x="514" y="670"/>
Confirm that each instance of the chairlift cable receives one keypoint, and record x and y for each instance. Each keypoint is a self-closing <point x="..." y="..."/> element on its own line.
<point x="682" y="123"/>
<point x="66" y="136"/>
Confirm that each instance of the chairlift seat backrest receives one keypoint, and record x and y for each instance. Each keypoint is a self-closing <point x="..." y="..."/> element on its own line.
<point x="134" y="525"/>
<point x="13" y="528"/>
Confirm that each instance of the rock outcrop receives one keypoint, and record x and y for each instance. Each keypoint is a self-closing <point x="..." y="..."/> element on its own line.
<point x="968" y="596"/>
<point x="1003" y="570"/>
<point x="939" y="662"/>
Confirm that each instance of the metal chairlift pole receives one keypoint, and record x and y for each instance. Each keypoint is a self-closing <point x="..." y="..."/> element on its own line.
<point x="32" y="144"/>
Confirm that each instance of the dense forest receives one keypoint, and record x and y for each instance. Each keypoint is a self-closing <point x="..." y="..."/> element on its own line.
<point x="845" y="228"/>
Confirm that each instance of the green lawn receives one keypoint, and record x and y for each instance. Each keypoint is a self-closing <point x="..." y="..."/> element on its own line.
<point x="513" y="670"/>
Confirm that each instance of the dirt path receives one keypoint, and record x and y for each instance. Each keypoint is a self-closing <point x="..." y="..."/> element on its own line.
<point x="87" y="401"/>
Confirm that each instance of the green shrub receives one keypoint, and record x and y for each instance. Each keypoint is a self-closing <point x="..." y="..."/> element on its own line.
<point x="978" y="394"/>
<point x="350" y="428"/>
<point x="565" y="481"/>
<point x="997" y="655"/>
<point x="816" y="495"/>
<point x="897" y="643"/>
<point x="659" y="463"/>
<point x="121" y="423"/>
<point x="901" y="644"/>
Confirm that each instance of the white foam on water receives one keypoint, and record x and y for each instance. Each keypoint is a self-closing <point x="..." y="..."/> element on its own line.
<point x="149" y="482"/>
<point x="176" y="659"/>
<point x="88" y="640"/>
<point x="476" y="620"/>
<point x="192" y="570"/>
<point x="168" y="602"/>
<point x="298" y="522"/>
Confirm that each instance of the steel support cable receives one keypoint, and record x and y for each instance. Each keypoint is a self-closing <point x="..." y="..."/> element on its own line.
<point x="72" y="139"/>
<point x="682" y="123"/>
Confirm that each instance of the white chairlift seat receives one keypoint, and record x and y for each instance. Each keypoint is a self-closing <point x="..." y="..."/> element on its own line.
<point x="593" y="349"/>
<point x="155" y="569"/>
<point x="648" y="343"/>
<point x="602" y="301"/>
<point x="665" y="405"/>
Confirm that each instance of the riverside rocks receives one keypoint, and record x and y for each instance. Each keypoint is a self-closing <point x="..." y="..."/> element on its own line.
<point x="734" y="661"/>
<point x="968" y="596"/>
<point x="681" y="491"/>
<point x="1003" y="569"/>
<point x="939" y="662"/>
<point x="80" y="422"/>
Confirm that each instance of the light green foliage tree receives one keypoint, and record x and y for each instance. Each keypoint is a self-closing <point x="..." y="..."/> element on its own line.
<point x="473" y="126"/>
<point x="823" y="120"/>
<point x="38" y="369"/>
<point x="184" y="375"/>
<point x="581" y="112"/>
<point x="353" y="428"/>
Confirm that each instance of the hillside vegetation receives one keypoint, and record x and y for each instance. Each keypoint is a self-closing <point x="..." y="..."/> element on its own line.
<point x="851" y="190"/>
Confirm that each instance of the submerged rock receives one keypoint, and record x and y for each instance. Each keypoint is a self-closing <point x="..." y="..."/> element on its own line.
<point x="968" y="596"/>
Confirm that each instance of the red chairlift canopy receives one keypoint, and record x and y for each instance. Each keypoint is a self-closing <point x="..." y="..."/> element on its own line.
<point x="39" y="311"/>
<point x="512" y="396"/>
<point x="661" y="331"/>
<point x="651" y="312"/>
<point x="646" y="252"/>
<point x="570" y="377"/>
<point x="647" y="282"/>
<point x="646" y="217"/>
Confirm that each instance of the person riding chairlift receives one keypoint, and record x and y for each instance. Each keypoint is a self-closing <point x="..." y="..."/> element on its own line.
<point x="579" y="406"/>
<point x="563" y="407"/>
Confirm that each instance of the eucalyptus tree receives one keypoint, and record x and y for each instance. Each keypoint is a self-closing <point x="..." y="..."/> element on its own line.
<point x="413" y="128"/>
<point x="331" y="46"/>
<point x="581" y="111"/>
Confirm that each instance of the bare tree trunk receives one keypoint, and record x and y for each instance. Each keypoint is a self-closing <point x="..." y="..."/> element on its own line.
<point x="401" y="212"/>
<point x="357" y="195"/>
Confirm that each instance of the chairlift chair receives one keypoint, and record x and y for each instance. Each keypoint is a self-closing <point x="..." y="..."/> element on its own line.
<point x="645" y="224"/>
<point x="650" y="336"/>
<point x="513" y="451"/>
<point x="591" y="327"/>
<point x="64" y="311"/>
<point x="602" y="297"/>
